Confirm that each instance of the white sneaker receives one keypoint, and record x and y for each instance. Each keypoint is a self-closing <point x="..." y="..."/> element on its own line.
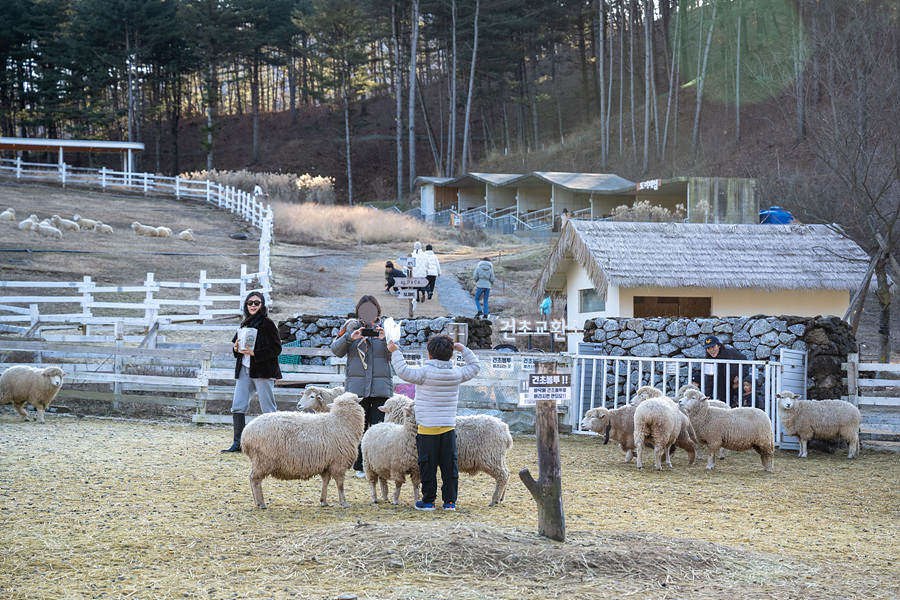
<point x="360" y="474"/>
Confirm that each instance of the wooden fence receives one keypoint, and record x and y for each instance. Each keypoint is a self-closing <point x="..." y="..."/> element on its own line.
<point x="875" y="389"/>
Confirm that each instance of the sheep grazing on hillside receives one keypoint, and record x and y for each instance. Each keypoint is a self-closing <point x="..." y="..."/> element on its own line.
<point x="822" y="420"/>
<point x="482" y="443"/>
<point x="292" y="445"/>
<point x="23" y="385"/>
<point x="186" y="235"/>
<point x="47" y="230"/>
<point x="143" y="229"/>
<point x="389" y="452"/>
<point x="86" y="224"/>
<point x="64" y="224"/>
<point x="657" y="419"/>
<point x="317" y="399"/>
<point x="735" y="429"/>
<point x="8" y="215"/>
<point x="163" y="232"/>
<point x="103" y="228"/>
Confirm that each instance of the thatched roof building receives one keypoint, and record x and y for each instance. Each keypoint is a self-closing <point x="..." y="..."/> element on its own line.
<point x="680" y="255"/>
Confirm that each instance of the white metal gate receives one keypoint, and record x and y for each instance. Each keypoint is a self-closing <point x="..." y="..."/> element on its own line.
<point x="611" y="381"/>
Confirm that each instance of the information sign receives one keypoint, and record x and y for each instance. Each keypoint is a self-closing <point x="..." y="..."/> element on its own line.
<point x="410" y="282"/>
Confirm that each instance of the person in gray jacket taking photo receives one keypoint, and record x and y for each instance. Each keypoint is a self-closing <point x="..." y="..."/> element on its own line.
<point x="484" y="277"/>
<point x="368" y="372"/>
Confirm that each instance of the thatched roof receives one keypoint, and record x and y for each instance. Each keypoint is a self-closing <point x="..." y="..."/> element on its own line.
<point x="679" y="255"/>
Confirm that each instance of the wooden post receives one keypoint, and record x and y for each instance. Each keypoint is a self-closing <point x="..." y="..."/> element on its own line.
<point x="547" y="490"/>
<point x="852" y="378"/>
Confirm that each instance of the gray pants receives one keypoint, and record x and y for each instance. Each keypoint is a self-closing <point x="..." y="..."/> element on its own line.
<point x="244" y="388"/>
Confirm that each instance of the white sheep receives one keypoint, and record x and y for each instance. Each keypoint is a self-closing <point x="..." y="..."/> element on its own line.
<point x="143" y="229"/>
<point x="64" y="224"/>
<point x="292" y="445"/>
<point x="735" y="429"/>
<point x="47" y="230"/>
<point x="186" y="235"/>
<point x="8" y="215"/>
<point x="163" y="232"/>
<point x="103" y="228"/>
<point x="822" y="420"/>
<point x="616" y="423"/>
<point x="389" y="452"/>
<point x="687" y="439"/>
<point x="22" y="385"/>
<point x="86" y="224"/>
<point x="28" y="223"/>
<point x="482" y="443"/>
<point x="723" y="453"/>
<point x="660" y="420"/>
<point x="317" y="399"/>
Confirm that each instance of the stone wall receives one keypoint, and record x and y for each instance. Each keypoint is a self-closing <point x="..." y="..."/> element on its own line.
<point x="317" y="331"/>
<point x="828" y="341"/>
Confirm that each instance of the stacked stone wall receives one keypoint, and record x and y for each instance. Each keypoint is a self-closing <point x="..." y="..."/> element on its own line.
<point x="828" y="340"/>
<point x="317" y="331"/>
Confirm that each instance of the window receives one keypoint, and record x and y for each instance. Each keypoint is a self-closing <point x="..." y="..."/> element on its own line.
<point x="588" y="301"/>
<point x="669" y="306"/>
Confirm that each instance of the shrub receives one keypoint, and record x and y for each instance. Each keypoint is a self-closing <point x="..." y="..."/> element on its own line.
<point x="280" y="187"/>
<point x="313" y="223"/>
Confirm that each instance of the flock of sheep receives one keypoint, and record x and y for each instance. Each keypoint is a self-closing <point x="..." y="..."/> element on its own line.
<point x="322" y="437"/>
<point x="691" y="419"/>
<point x="55" y="225"/>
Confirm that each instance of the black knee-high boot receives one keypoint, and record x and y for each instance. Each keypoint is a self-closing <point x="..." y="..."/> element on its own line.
<point x="239" y="419"/>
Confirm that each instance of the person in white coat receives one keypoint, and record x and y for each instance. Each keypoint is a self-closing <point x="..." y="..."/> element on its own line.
<point x="433" y="270"/>
<point x="419" y="268"/>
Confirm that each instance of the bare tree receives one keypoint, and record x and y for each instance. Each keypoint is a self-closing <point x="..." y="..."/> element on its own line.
<point x="398" y="95"/>
<point x="413" y="55"/>
<point x="467" y="124"/>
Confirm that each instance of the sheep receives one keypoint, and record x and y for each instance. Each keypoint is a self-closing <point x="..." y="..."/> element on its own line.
<point x="317" y="399"/>
<point x="482" y="443"/>
<point x="389" y="452"/>
<point x="723" y="453"/>
<point x="186" y="235"/>
<point x="616" y="423"/>
<point x="103" y="228"/>
<point x="22" y="384"/>
<point x="47" y="230"/>
<point x="291" y="445"/>
<point x="64" y="224"/>
<point x="687" y="439"/>
<point x="657" y="418"/>
<point x="735" y="429"/>
<point x="144" y="229"/>
<point x="163" y="232"/>
<point x="8" y="215"/>
<point x="822" y="419"/>
<point x="85" y="224"/>
<point x="28" y="223"/>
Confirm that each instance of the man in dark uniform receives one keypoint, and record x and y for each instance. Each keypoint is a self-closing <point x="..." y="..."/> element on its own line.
<point x="717" y="378"/>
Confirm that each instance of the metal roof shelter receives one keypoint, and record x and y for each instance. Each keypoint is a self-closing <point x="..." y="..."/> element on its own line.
<point x="61" y="146"/>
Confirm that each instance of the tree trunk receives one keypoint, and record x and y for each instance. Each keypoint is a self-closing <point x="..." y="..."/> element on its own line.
<point x="345" y="94"/>
<point x="884" y="295"/>
<point x="467" y="142"/>
<point x="413" y="56"/>
<point x="582" y="57"/>
<point x="398" y="93"/>
<point x="700" y="79"/>
<point x="435" y="151"/>
<point x="737" y="84"/>
<point x="631" y="75"/>
<point x="672" y="81"/>
<point x="254" y="100"/>
<point x="451" y="160"/>
<point x="601" y="73"/>
<point x="647" y="88"/>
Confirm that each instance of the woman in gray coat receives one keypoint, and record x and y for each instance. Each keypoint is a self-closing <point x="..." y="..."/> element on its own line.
<point x="368" y="372"/>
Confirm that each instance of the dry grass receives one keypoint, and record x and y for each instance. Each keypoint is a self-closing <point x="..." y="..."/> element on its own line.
<point x="96" y="508"/>
<point x="314" y="223"/>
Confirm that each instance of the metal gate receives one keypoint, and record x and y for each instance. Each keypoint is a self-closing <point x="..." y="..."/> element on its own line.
<point x="611" y="381"/>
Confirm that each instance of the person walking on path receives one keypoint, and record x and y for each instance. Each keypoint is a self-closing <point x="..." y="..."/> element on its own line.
<point x="419" y="268"/>
<point x="368" y="371"/>
<point x="484" y="277"/>
<point x="256" y="367"/>
<point x="433" y="270"/>
<point x="437" y="396"/>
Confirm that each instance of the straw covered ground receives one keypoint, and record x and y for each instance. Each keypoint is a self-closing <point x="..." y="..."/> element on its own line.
<point x="109" y="508"/>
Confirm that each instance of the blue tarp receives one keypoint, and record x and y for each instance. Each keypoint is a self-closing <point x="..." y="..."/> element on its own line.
<point x="775" y="215"/>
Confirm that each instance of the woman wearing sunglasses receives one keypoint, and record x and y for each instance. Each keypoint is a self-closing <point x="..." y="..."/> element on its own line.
<point x="256" y="368"/>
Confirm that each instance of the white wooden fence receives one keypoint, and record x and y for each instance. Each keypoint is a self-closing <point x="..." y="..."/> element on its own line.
<point x="875" y="389"/>
<point x="227" y="198"/>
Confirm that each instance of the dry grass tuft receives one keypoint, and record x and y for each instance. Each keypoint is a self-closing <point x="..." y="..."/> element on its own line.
<point x="114" y="509"/>
<point x="313" y="223"/>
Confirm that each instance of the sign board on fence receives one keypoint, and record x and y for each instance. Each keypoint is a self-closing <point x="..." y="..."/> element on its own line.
<point x="410" y="282"/>
<point x="406" y="261"/>
<point x="502" y="363"/>
<point x="528" y="363"/>
<point x="406" y="294"/>
<point x="413" y="360"/>
<point x="557" y="386"/>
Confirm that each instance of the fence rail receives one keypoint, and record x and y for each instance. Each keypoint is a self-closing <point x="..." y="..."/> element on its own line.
<point x="227" y="198"/>
<point x="875" y="389"/>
